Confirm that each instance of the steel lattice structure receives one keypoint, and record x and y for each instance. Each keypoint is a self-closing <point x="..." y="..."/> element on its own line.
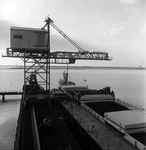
<point x="57" y="56"/>
<point x="37" y="61"/>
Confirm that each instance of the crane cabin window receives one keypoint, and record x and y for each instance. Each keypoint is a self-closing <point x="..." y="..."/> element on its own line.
<point x="17" y="36"/>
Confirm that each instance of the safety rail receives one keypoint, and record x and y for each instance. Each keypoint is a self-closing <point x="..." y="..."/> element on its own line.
<point x="95" y="114"/>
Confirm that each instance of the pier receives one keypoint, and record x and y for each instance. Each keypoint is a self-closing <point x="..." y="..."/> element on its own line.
<point x="9" y="93"/>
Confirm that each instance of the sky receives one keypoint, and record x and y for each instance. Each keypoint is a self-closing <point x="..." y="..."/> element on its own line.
<point x="114" y="26"/>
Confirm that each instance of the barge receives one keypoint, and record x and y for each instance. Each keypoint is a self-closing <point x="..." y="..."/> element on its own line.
<point x="80" y="118"/>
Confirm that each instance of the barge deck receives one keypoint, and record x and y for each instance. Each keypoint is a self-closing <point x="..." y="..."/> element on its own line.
<point x="73" y="126"/>
<point x="105" y="136"/>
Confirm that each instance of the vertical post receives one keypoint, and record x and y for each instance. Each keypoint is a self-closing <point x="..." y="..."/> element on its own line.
<point x="48" y="55"/>
<point x="24" y="75"/>
<point x="47" y="72"/>
<point x="3" y="98"/>
<point x="49" y="49"/>
<point x="24" y="85"/>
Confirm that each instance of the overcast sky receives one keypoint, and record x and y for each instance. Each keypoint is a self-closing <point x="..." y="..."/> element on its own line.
<point x="114" y="26"/>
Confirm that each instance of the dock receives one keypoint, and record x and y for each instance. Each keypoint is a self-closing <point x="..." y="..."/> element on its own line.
<point x="3" y="94"/>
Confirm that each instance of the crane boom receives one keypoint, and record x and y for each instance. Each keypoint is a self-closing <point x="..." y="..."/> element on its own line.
<point x="56" y="56"/>
<point x="67" y="37"/>
<point x="81" y="51"/>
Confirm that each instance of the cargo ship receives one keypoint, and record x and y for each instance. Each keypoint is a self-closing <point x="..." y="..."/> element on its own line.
<point x="76" y="117"/>
<point x="71" y="116"/>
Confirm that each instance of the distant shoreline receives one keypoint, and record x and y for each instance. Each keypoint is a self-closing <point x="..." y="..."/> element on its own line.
<point x="77" y="67"/>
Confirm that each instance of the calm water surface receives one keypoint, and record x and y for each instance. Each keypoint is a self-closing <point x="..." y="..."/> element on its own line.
<point x="129" y="85"/>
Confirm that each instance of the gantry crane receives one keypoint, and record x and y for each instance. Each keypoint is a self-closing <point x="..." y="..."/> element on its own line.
<point x="37" y="61"/>
<point x="58" y="57"/>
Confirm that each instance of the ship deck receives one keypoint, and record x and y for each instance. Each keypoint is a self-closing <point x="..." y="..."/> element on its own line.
<point x="73" y="126"/>
<point x="98" y="104"/>
<point x="105" y="136"/>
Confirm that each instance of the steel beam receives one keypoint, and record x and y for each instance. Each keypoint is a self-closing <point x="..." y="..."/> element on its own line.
<point x="36" y="141"/>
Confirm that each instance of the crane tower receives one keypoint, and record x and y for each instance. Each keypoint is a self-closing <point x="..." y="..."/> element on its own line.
<point x="33" y="47"/>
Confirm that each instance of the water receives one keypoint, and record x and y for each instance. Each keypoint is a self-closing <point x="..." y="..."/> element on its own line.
<point x="128" y="85"/>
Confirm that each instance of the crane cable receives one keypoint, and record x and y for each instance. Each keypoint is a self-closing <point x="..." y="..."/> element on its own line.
<point x="81" y="50"/>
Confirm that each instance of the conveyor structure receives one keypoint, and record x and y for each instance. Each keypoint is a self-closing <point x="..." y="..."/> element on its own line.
<point x="37" y="61"/>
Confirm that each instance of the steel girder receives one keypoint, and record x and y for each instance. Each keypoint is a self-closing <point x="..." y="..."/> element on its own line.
<point x="57" y="57"/>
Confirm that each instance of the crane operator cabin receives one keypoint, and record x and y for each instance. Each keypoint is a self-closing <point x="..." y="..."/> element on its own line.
<point x="28" y="38"/>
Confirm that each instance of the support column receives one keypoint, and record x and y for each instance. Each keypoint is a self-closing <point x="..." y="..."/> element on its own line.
<point x="48" y="48"/>
<point x="3" y="98"/>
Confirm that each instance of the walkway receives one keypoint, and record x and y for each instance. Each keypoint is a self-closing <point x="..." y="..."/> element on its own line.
<point x="106" y="136"/>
